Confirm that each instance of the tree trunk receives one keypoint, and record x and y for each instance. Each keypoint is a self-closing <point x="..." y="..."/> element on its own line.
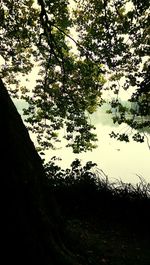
<point x="29" y="229"/>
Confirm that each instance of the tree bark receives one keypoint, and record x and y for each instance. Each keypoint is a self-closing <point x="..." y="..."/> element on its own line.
<point x="29" y="231"/>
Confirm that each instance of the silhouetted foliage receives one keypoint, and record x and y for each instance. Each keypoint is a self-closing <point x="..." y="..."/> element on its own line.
<point x="113" y="43"/>
<point x="86" y="191"/>
<point x="111" y="53"/>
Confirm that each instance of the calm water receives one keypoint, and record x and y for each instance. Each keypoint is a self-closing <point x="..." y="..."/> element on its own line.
<point x="118" y="160"/>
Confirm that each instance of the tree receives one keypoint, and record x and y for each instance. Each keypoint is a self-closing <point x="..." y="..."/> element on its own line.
<point x="68" y="89"/>
<point x="116" y="34"/>
<point x="30" y="230"/>
<point x="61" y="95"/>
<point x="112" y="46"/>
<point x="30" y="223"/>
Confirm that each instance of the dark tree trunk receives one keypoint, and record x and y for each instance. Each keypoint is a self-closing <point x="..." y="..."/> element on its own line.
<point x="29" y="234"/>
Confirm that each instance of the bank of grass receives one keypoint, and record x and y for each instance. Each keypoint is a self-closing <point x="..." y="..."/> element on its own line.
<point x="104" y="222"/>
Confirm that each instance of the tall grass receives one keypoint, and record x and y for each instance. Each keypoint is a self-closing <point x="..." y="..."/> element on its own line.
<point x="86" y="192"/>
<point x="90" y="175"/>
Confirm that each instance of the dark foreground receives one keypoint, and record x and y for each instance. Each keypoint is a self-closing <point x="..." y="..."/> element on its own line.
<point x="90" y="222"/>
<point x="103" y="223"/>
<point x="97" y="241"/>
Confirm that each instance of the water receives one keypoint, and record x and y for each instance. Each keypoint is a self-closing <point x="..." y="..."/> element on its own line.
<point x="119" y="160"/>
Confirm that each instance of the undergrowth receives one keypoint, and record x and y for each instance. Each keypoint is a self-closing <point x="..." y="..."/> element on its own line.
<point x="86" y="190"/>
<point x="104" y="222"/>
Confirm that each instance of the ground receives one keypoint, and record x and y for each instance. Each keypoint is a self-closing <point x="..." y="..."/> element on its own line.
<point x="110" y="243"/>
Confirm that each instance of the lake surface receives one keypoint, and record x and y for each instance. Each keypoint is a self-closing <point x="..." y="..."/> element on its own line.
<point x="118" y="160"/>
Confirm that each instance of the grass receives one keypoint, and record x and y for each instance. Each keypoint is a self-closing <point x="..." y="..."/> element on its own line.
<point x="104" y="222"/>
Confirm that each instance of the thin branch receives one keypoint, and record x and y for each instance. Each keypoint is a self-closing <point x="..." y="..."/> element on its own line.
<point x="44" y="14"/>
<point x="67" y="35"/>
<point x="147" y="139"/>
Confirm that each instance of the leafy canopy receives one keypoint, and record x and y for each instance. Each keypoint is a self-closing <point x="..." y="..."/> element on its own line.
<point x="112" y="48"/>
<point x="117" y="34"/>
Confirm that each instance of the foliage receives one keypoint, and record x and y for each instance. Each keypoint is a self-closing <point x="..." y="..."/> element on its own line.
<point x="100" y="213"/>
<point x="73" y="175"/>
<point x="18" y="32"/>
<point x="66" y="87"/>
<point x="112" y="46"/>
<point x="86" y="190"/>
<point x="97" y="213"/>
<point x="89" y="175"/>
<point x="116" y="34"/>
